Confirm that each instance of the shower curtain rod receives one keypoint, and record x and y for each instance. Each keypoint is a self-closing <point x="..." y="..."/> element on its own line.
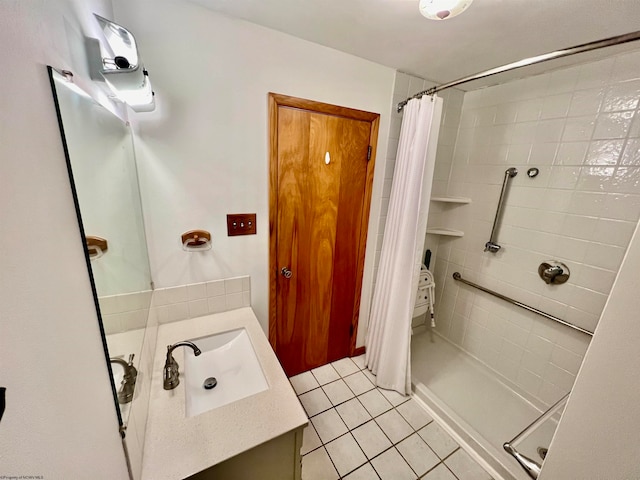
<point x="585" y="47"/>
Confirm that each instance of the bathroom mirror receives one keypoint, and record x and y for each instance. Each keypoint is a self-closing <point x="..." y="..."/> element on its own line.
<point x="99" y="148"/>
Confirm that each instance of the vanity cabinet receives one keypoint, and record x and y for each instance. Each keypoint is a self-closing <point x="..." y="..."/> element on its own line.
<point x="254" y="437"/>
<point x="277" y="459"/>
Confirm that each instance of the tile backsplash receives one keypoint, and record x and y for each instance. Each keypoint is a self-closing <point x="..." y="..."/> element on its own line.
<point x="125" y="312"/>
<point x="196" y="299"/>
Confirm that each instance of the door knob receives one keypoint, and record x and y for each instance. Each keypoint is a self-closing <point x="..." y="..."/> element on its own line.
<point x="285" y="272"/>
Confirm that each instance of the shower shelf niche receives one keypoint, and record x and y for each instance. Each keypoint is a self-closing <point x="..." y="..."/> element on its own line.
<point x="445" y="231"/>
<point x="451" y="199"/>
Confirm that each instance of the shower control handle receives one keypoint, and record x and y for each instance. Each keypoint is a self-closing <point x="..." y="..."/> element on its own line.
<point x="285" y="272"/>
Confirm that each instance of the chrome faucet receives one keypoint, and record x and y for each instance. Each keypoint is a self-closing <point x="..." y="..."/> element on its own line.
<point x="170" y="374"/>
<point x="128" y="384"/>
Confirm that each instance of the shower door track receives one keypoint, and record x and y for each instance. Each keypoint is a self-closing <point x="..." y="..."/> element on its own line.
<point x="585" y="47"/>
<point x="458" y="277"/>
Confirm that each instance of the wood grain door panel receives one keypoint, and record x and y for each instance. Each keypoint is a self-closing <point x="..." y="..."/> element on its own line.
<point x="351" y="147"/>
<point x="318" y="213"/>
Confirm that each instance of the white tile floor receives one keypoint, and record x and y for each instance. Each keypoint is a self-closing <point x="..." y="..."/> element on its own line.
<point x="360" y="432"/>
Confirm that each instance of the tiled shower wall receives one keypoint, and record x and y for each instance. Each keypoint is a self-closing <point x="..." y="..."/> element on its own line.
<point x="406" y="85"/>
<point x="581" y="128"/>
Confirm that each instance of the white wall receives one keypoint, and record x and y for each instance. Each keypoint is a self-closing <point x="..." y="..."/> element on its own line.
<point x="204" y="152"/>
<point x="598" y="434"/>
<point x="580" y="126"/>
<point x="60" y="420"/>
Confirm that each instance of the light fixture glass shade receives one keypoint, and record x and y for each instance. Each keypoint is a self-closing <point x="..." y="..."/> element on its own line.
<point x="121" y="68"/>
<point x="443" y="9"/>
<point x="121" y="43"/>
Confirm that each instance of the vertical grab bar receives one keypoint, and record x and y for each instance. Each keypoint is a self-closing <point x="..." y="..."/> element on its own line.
<point x="491" y="245"/>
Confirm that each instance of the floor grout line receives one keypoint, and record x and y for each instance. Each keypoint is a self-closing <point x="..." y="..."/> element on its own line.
<point x="372" y="418"/>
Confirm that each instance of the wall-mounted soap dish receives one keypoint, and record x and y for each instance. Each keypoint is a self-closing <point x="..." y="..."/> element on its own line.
<point x="96" y="247"/>
<point x="196" y="240"/>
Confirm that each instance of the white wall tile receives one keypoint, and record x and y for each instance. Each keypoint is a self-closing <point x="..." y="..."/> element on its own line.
<point x="613" y="232"/>
<point x="232" y="285"/>
<point x="215" y="288"/>
<point x="586" y="102"/>
<point x="178" y="311"/>
<point x="556" y="106"/>
<point x="197" y="291"/>
<point x="626" y="67"/>
<point x="622" y="96"/>
<point x="578" y="127"/>
<point x="401" y="86"/>
<point x="612" y="125"/>
<point x="543" y="154"/>
<point x="595" y="74"/>
<point x="198" y="308"/>
<point x="233" y="301"/>
<point x="566" y="360"/>
<point x="176" y="294"/>
<point x="605" y="256"/>
<point x="563" y="80"/>
<point x="217" y="304"/>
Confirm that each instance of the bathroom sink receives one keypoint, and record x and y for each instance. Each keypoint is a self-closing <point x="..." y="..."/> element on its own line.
<point x="229" y="357"/>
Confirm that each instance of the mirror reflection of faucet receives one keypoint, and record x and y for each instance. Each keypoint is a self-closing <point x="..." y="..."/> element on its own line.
<point x="170" y="374"/>
<point x="128" y="384"/>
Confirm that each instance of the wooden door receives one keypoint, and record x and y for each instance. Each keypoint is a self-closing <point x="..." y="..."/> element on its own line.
<point x="321" y="177"/>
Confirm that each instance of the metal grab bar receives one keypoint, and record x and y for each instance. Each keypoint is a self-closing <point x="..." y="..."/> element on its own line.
<point x="532" y="467"/>
<point x="491" y="245"/>
<point x="458" y="277"/>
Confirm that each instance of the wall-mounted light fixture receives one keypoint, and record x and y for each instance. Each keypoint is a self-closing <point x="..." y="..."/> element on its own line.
<point x="443" y="9"/>
<point x="121" y="67"/>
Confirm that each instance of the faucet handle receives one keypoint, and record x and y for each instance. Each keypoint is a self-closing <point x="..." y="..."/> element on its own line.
<point x="553" y="272"/>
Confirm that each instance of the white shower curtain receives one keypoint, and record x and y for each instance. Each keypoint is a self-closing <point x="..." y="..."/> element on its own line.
<point x="389" y="335"/>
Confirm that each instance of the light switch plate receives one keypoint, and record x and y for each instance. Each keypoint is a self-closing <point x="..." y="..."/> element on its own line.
<point x="241" y="224"/>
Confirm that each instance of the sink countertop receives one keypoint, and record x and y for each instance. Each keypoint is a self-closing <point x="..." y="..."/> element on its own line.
<point x="177" y="446"/>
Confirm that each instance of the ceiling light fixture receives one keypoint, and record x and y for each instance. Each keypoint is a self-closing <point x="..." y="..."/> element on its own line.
<point x="443" y="9"/>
